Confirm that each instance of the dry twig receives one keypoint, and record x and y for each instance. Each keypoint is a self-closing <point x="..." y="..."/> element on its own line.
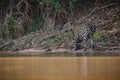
<point x="95" y="10"/>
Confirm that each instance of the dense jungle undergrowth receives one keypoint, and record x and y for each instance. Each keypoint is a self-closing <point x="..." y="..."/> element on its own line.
<point x="41" y="24"/>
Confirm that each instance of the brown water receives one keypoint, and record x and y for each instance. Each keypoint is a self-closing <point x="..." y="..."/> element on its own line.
<point x="60" y="68"/>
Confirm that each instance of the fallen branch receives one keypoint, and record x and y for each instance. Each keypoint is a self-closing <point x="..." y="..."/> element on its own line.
<point x="106" y="23"/>
<point x="6" y="44"/>
<point x="108" y="48"/>
<point x="26" y="9"/>
<point x="99" y="8"/>
<point x="95" y="10"/>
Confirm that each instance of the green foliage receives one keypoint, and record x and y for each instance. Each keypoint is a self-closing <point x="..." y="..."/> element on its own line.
<point x="11" y="21"/>
<point x="98" y="36"/>
<point x="36" y="0"/>
<point x="9" y="28"/>
<point x="71" y="4"/>
<point x="57" y="39"/>
<point x="55" y="4"/>
<point x="68" y="36"/>
<point x="35" y="25"/>
<point x="64" y="38"/>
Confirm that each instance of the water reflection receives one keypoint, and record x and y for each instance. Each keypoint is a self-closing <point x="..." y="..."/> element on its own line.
<point x="60" y="68"/>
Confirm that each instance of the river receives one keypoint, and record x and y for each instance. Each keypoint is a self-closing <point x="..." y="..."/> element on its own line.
<point x="59" y="68"/>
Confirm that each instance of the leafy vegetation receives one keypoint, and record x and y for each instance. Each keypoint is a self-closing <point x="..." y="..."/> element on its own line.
<point x="98" y="35"/>
<point x="21" y="17"/>
<point x="35" y="25"/>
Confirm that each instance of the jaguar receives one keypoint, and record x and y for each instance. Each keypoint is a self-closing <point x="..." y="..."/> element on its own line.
<point x="83" y="35"/>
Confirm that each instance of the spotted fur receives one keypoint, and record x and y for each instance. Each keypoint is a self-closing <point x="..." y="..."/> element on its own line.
<point x="82" y="34"/>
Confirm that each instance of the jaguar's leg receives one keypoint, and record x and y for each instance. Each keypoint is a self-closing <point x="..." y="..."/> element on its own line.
<point x="85" y="45"/>
<point x="92" y="44"/>
<point x="77" y="44"/>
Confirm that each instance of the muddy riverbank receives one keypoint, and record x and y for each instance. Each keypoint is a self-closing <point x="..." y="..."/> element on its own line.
<point x="58" y="53"/>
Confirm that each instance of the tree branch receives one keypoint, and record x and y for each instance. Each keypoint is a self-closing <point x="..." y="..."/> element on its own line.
<point x="6" y="44"/>
<point x="95" y="10"/>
